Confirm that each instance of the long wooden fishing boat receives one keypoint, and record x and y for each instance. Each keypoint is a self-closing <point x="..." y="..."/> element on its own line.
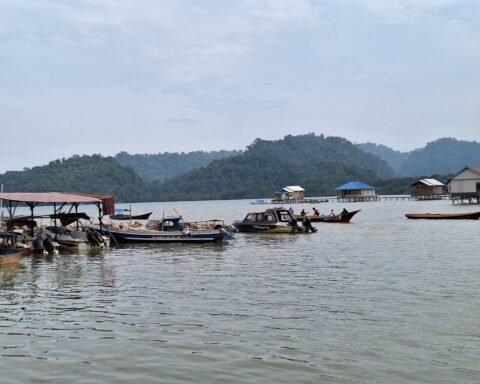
<point x="126" y="216"/>
<point x="444" y="216"/>
<point x="343" y="217"/>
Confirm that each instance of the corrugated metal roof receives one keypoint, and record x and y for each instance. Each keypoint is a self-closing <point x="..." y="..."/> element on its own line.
<point x="49" y="197"/>
<point x="354" y="185"/>
<point x="293" y="188"/>
<point x="108" y="202"/>
<point x="475" y="169"/>
<point x="429" y="182"/>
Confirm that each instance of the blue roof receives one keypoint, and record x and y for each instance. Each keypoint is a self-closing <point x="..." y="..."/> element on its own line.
<point x="354" y="185"/>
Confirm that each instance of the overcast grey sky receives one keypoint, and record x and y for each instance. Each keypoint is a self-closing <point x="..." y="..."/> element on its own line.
<point x="146" y="76"/>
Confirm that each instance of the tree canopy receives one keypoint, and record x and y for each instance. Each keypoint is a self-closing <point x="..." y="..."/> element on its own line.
<point x="163" y="166"/>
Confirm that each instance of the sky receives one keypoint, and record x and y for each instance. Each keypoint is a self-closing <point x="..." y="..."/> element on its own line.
<point x="147" y="76"/>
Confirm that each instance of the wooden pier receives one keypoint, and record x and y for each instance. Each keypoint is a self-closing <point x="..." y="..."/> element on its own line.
<point x="357" y="199"/>
<point x="465" y="198"/>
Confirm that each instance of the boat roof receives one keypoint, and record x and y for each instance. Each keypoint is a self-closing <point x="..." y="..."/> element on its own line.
<point x="354" y="185"/>
<point x="428" y="182"/>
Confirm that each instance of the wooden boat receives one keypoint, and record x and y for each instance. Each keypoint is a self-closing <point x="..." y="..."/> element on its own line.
<point x="343" y="217"/>
<point x="273" y="220"/>
<point x="125" y="216"/>
<point x="9" y="254"/>
<point x="444" y="216"/>
<point x="167" y="230"/>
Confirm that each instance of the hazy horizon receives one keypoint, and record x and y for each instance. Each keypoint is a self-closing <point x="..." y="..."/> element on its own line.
<point x="181" y="75"/>
<point x="194" y="150"/>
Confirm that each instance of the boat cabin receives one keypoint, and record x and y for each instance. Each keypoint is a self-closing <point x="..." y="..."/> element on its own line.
<point x="273" y="215"/>
<point x="171" y="223"/>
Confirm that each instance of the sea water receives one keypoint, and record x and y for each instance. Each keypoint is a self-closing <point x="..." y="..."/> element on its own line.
<point x="383" y="299"/>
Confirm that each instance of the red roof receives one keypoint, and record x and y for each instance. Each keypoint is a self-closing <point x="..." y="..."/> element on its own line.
<point x="475" y="169"/>
<point x="48" y="197"/>
<point x="108" y="202"/>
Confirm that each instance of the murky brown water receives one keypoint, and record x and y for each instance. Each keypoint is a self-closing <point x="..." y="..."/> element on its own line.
<point x="382" y="300"/>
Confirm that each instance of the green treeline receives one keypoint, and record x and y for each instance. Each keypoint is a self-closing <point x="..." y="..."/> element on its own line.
<point x="317" y="163"/>
<point x="85" y="174"/>
<point x="442" y="156"/>
<point x="163" y="166"/>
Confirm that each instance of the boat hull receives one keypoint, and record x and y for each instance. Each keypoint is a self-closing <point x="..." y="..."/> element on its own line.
<point x="444" y="216"/>
<point x="166" y="236"/>
<point x="10" y="256"/>
<point x="265" y="228"/>
<point x="144" y="216"/>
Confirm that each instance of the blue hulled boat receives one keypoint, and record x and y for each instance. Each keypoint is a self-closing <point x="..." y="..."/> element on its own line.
<point x="8" y="252"/>
<point x="170" y="230"/>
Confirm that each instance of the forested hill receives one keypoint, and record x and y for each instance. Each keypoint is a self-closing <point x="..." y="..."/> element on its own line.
<point x="162" y="166"/>
<point x="442" y="156"/>
<point x="393" y="157"/>
<point x="86" y="174"/>
<point x="317" y="163"/>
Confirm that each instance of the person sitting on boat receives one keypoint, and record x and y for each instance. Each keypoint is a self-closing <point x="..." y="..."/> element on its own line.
<point x="316" y="212"/>
<point x="307" y="225"/>
<point x="290" y="210"/>
<point x="303" y="213"/>
<point x="294" y="224"/>
<point x="332" y="213"/>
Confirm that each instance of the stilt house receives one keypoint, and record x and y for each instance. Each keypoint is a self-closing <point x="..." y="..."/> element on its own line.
<point x="427" y="189"/>
<point x="356" y="191"/>
<point x="464" y="186"/>
<point x="290" y="192"/>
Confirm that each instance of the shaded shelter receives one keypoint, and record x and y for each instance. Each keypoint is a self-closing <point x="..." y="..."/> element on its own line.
<point x="104" y="203"/>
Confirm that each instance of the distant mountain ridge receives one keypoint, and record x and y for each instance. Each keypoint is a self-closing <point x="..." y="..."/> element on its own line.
<point x="317" y="163"/>
<point x="393" y="157"/>
<point x="442" y="156"/>
<point x="162" y="166"/>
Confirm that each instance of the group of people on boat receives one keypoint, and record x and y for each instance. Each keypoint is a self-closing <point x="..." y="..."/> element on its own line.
<point x="315" y="212"/>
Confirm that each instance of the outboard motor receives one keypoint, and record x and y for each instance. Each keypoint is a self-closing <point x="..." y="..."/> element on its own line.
<point x="38" y="243"/>
<point x="95" y="238"/>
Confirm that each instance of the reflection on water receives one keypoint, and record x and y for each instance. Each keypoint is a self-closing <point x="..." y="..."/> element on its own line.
<point x="382" y="299"/>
